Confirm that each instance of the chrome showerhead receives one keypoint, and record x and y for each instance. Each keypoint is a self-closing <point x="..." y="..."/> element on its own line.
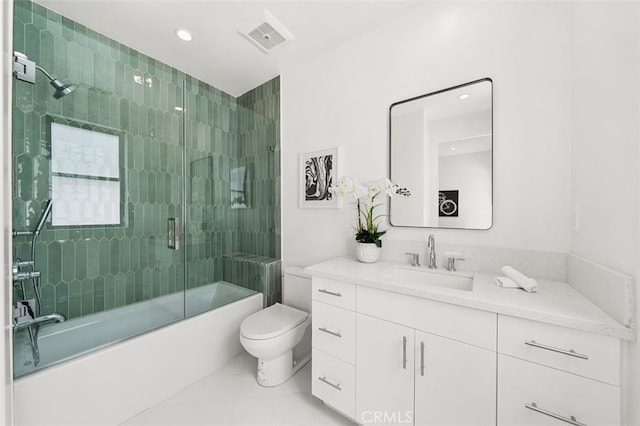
<point x="25" y="70"/>
<point x="61" y="88"/>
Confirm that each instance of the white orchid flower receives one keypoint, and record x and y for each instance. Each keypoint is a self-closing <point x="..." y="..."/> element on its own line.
<point x="360" y="191"/>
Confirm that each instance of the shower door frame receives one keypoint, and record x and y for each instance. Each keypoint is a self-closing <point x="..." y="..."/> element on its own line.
<point x="6" y="212"/>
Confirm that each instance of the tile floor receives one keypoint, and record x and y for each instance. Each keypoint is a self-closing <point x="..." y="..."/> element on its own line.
<point x="231" y="396"/>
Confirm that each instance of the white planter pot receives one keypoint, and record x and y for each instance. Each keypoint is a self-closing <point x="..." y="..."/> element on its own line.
<point x="367" y="252"/>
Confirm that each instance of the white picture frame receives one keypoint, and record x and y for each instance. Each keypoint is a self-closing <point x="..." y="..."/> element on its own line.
<point x="318" y="171"/>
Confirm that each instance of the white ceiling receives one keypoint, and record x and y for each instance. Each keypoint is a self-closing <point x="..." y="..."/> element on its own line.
<point x="218" y="53"/>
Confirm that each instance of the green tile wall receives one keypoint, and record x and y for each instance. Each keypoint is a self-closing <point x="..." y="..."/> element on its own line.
<point x="259" y="149"/>
<point x="259" y="273"/>
<point x="94" y="268"/>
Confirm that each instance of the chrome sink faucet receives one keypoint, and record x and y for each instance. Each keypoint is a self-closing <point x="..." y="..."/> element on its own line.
<point x="431" y="248"/>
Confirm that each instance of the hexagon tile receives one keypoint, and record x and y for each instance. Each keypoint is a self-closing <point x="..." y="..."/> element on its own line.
<point x="180" y="139"/>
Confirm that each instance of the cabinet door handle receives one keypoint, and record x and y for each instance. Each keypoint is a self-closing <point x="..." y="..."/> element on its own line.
<point x="404" y="352"/>
<point x="332" y="293"/>
<point x="333" y="385"/>
<point x="333" y="333"/>
<point x="571" y="420"/>
<point x="569" y="352"/>
<point x="422" y="358"/>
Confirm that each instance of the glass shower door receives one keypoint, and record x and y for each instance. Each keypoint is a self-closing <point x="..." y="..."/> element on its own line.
<point x="107" y="158"/>
<point x="232" y="184"/>
<point x="210" y="134"/>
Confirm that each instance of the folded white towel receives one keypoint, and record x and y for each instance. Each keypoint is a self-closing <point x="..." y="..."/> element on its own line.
<point x="506" y="282"/>
<point x="526" y="283"/>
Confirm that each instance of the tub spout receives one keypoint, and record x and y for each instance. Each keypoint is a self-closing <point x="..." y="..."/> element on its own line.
<point x="54" y="317"/>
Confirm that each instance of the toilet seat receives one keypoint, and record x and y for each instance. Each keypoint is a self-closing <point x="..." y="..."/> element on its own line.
<point x="271" y="322"/>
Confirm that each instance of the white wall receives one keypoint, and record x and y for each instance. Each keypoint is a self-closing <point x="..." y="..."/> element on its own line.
<point x="605" y="133"/>
<point x="606" y="148"/>
<point x="6" y="374"/>
<point x="342" y="98"/>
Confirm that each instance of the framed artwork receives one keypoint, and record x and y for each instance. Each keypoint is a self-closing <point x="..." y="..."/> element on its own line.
<point x="318" y="171"/>
<point x="448" y="203"/>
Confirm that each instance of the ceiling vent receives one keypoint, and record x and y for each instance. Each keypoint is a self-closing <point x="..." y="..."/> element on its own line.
<point x="268" y="34"/>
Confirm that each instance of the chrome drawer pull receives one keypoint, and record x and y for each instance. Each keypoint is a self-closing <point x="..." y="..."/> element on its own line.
<point x="569" y="352"/>
<point x="324" y="380"/>
<point x="322" y="290"/>
<point x="333" y="333"/>
<point x="571" y="420"/>
<point x="422" y="358"/>
<point x="404" y="352"/>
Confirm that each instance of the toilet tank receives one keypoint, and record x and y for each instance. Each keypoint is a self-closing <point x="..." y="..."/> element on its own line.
<point x="296" y="288"/>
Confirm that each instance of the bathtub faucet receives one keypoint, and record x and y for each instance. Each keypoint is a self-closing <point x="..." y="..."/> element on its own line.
<point x="17" y="326"/>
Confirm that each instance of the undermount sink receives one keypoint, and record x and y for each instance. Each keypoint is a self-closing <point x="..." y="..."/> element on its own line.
<point x="419" y="276"/>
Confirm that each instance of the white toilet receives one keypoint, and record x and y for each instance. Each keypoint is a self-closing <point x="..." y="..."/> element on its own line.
<point x="280" y="336"/>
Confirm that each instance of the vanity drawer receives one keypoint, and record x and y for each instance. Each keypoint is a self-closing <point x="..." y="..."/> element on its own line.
<point x="587" y="354"/>
<point x="553" y="392"/>
<point x="334" y="331"/>
<point x="334" y="382"/>
<point x="333" y="292"/>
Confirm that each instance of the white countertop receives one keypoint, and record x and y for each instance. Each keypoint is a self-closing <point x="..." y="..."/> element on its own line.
<point x="554" y="303"/>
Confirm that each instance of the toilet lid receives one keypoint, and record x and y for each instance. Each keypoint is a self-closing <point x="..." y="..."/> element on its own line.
<point x="271" y="322"/>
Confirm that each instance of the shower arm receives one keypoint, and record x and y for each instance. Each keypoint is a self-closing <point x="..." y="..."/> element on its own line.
<point x="44" y="72"/>
<point x="25" y="70"/>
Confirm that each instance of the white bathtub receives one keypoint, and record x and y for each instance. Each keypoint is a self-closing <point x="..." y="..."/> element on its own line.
<point x="110" y="385"/>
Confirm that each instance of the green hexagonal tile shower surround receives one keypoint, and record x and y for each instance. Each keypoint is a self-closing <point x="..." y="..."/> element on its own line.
<point x="88" y="269"/>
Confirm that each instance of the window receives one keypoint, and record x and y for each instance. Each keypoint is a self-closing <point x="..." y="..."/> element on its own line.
<point x="85" y="176"/>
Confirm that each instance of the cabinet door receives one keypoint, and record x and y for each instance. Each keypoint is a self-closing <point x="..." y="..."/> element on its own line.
<point x="384" y="372"/>
<point x="455" y="383"/>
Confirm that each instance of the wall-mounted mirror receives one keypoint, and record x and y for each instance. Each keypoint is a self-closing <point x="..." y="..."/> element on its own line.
<point x="441" y="149"/>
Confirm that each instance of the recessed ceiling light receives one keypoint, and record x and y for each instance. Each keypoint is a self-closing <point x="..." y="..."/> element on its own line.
<point x="463" y="96"/>
<point x="453" y="148"/>
<point x="183" y="35"/>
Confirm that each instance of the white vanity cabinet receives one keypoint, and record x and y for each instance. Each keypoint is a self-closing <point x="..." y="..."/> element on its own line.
<point x="549" y="375"/>
<point x="386" y="357"/>
<point x="405" y="376"/>
<point x="408" y="375"/>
